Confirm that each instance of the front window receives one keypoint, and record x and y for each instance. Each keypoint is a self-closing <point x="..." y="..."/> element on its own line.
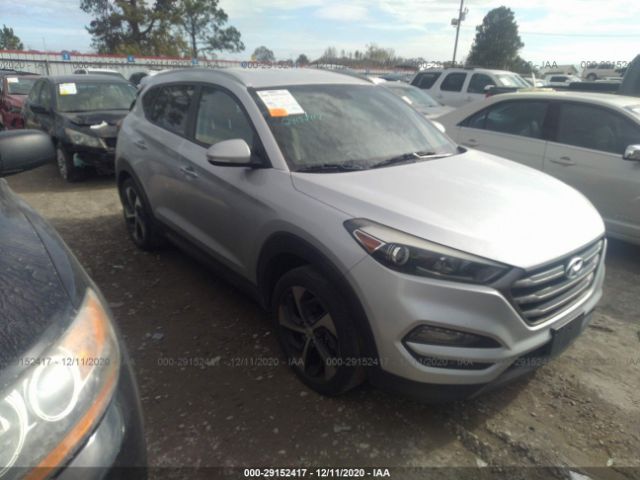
<point x="510" y="80"/>
<point x="346" y="125"/>
<point x="20" y="85"/>
<point x="92" y="96"/>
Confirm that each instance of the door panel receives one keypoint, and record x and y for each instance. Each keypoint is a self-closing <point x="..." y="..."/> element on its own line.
<point x="587" y="155"/>
<point x="223" y="206"/>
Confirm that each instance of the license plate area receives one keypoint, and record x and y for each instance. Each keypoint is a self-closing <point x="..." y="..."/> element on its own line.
<point x="564" y="336"/>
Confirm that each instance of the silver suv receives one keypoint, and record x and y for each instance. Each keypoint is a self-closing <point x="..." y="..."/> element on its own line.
<point x="384" y="250"/>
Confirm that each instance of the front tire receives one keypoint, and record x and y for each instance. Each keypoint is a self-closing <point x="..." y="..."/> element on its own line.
<point x="67" y="169"/>
<point x="316" y="332"/>
<point x="141" y="226"/>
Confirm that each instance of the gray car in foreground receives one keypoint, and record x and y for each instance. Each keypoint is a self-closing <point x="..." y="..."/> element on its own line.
<point x="385" y="251"/>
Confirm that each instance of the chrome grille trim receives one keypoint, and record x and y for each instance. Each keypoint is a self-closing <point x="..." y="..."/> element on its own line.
<point x="548" y="291"/>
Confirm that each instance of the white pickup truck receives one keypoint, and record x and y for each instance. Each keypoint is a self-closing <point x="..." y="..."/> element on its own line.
<point x="458" y="86"/>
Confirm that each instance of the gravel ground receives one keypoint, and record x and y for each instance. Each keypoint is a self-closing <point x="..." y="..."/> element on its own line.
<point x="189" y="335"/>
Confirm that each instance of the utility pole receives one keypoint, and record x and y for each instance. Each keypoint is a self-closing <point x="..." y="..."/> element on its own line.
<point x="456" y="22"/>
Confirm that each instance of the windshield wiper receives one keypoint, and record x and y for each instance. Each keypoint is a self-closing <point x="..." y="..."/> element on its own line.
<point x="409" y="158"/>
<point x="330" y="167"/>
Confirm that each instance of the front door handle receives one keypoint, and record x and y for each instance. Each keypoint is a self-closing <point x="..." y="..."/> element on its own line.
<point x="140" y="144"/>
<point x="189" y="172"/>
<point x="566" y="161"/>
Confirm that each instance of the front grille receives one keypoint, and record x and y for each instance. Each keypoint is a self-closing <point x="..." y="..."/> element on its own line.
<point x="548" y="291"/>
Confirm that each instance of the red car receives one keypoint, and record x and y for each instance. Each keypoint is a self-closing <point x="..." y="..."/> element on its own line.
<point x="13" y="91"/>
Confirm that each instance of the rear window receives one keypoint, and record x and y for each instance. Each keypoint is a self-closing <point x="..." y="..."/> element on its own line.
<point x="453" y="82"/>
<point x="168" y="107"/>
<point x="426" y="80"/>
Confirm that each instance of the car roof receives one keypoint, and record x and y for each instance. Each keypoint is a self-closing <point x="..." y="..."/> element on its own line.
<point x="262" y="78"/>
<point x="78" y="78"/>
<point x="466" y="70"/>
<point x="590" y="97"/>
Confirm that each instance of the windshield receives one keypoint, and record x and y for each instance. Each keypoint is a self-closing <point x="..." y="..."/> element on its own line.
<point x="91" y="96"/>
<point x="346" y="125"/>
<point x="511" y="80"/>
<point x="413" y="96"/>
<point x="20" y="85"/>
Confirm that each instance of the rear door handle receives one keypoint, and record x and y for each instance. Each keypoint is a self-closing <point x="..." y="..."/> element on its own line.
<point x="140" y="144"/>
<point x="189" y="172"/>
<point x="566" y="161"/>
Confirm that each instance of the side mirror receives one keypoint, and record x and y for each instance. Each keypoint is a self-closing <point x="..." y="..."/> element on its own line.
<point x="22" y="150"/>
<point x="230" y="153"/>
<point x="632" y="153"/>
<point x="39" y="109"/>
<point x="439" y="126"/>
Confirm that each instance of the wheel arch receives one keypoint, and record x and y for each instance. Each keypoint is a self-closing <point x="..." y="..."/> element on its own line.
<point x="285" y="251"/>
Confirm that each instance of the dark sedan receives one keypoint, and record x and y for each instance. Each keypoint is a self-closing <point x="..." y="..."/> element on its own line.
<point x="80" y="113"/>
<point x="67" y="393"/>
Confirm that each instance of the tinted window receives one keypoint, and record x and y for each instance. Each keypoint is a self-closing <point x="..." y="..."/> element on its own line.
<point x="45" y="96"/>
<point x="168" y="107"/>
<point x="478" y="83"/>
<point x="35" y="93"/>
<point x="453" y="82"/>
<point x="517" y="118"/>
<point x="596" y="128"/>
<point x="476" y="120"/>
<point x="426" y="80"/>
<point x="220" y="117"/>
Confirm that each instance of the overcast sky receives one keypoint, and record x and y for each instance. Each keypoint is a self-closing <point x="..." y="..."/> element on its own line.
<point x="564" y="31"/>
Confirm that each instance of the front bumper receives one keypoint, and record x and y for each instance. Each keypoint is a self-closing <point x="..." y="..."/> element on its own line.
<point x="396" y="303"/>
<point x="116" y="449"/>
<point x="99" y="158"/>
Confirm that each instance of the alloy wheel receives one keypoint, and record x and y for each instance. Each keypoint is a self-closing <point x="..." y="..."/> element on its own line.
<point x="134" y="215"/>
<point x="309" y="334"/>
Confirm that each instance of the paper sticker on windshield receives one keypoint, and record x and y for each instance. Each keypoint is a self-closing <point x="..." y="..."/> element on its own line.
<point x="12" y="80"/>
<point x="280" y="103"/>
<point x="67" y="89"/>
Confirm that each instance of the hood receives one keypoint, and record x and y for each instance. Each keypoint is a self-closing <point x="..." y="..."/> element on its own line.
<point x="86" y="119"/>
<point x="474" y="202"/>
<point x="33" y="300"/>
<point x="435" y="112"/>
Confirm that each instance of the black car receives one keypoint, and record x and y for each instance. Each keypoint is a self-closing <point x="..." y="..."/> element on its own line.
<point x="80" y="113"/>
<point x="68" y="397"/>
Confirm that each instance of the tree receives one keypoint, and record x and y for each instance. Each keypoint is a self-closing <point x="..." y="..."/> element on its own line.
<point x="302" y="60"/>
<point x="9" y="40"/>
<point x="263" y="54"/>
<point x="202" y="21"/>
<point x="134" y="26"/>
<point x="497" y="41"/>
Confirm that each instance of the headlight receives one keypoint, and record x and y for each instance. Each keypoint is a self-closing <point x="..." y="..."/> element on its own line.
<point x="79" y="138"/>
<point x="408" y="254"/>
<point x="57" y="402"/>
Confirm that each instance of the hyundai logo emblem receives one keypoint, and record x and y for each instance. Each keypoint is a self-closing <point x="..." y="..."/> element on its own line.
<point x="574" y="267"/>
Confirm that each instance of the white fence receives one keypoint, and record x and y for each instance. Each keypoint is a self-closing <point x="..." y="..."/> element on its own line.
<point x="64" y="63"/>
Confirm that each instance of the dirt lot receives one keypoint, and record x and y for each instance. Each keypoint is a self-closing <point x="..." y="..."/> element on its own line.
<point x="189" y="333"/>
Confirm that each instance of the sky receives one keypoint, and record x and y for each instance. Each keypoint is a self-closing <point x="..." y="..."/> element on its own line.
<point x="560" y="31"/>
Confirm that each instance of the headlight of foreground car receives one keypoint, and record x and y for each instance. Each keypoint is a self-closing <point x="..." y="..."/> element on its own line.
<point x="52" y="408"/>
<point x="408" y="254"/>
<point x="82" y="139"/>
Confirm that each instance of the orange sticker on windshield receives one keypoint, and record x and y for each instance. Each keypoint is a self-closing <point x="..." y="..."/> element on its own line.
<point x="278" y="112"/>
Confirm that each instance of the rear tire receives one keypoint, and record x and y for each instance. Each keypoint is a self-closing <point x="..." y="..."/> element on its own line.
<point x="140" y="224"/>
<point x="67" y="169"/>
<point x="592" y="77"/>
<point x="316" y="332"/>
